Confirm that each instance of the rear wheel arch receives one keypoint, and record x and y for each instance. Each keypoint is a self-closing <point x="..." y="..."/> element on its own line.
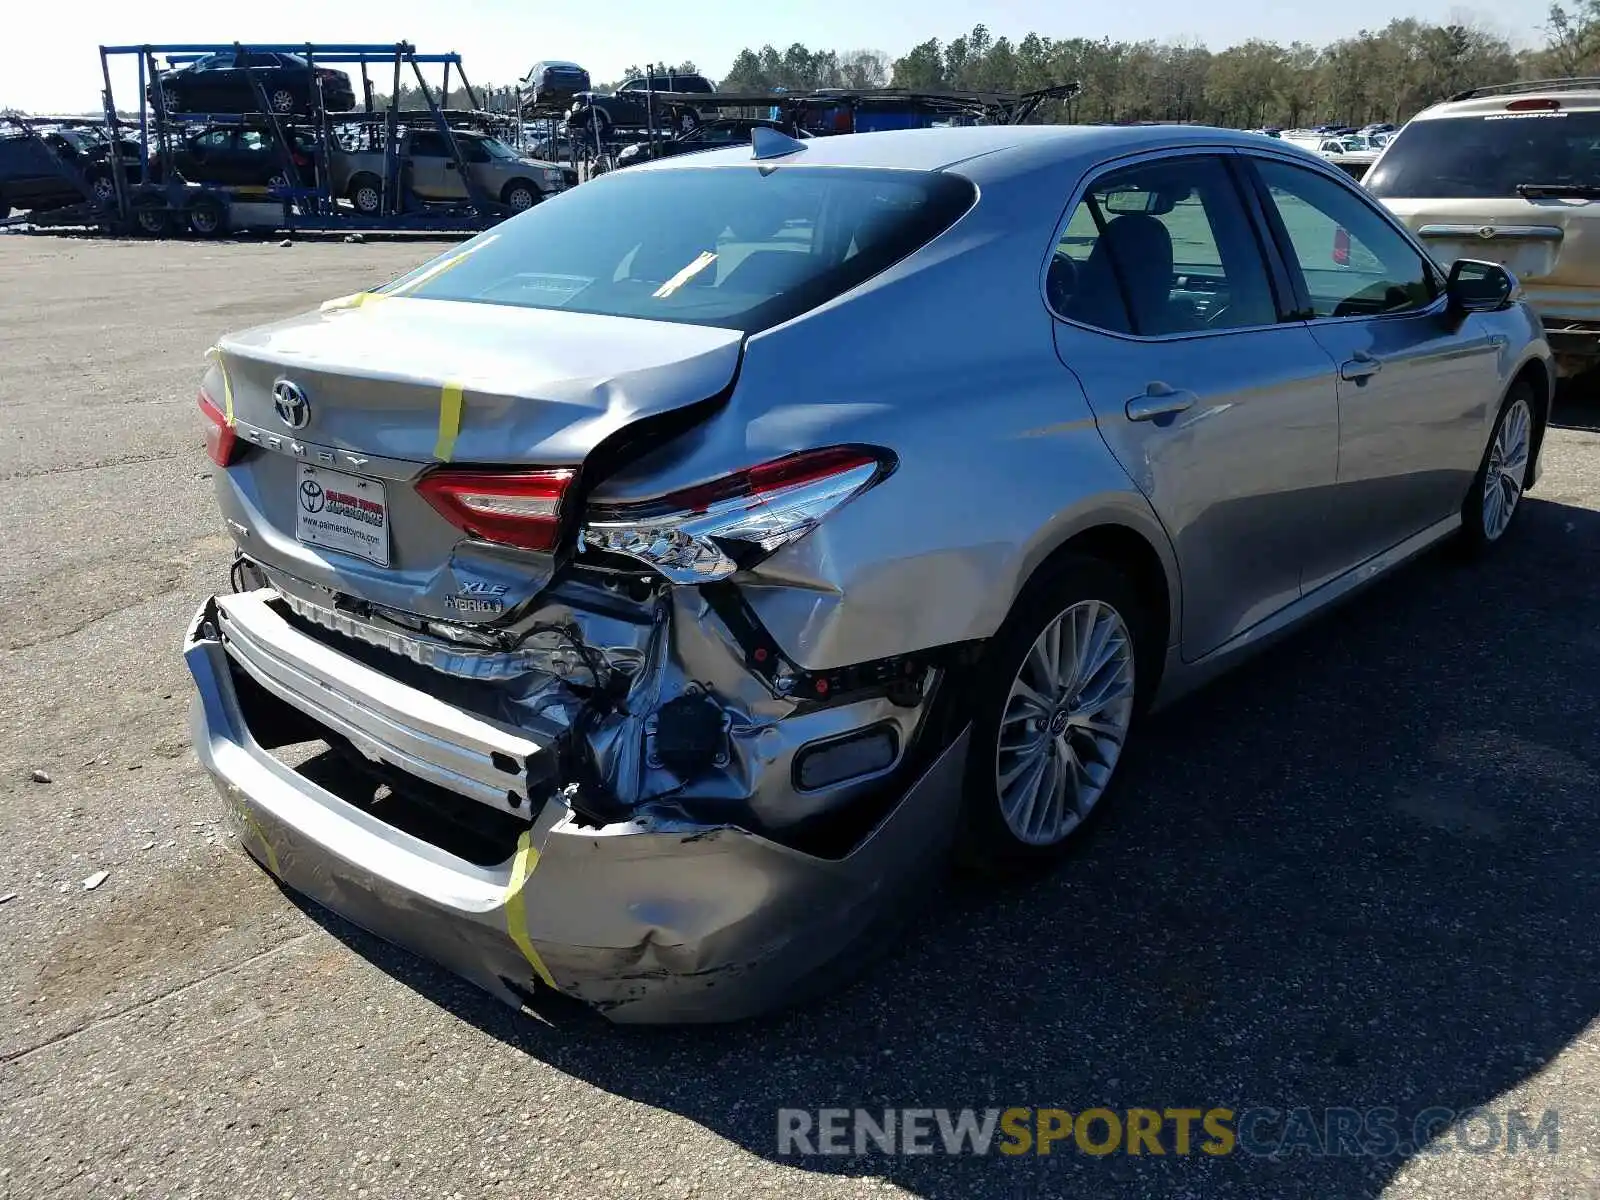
<point x="1134" y="554"/>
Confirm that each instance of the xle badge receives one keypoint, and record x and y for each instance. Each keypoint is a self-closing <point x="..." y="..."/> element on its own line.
<point x="476" y="596"/>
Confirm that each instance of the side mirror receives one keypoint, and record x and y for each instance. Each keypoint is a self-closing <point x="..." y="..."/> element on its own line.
<point x="1476" y="286"/>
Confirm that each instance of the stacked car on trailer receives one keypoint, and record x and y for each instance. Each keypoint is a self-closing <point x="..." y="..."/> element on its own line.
<point x="270" y="137"/>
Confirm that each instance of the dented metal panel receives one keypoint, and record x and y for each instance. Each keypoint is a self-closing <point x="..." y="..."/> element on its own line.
<point x="665" y="916"/>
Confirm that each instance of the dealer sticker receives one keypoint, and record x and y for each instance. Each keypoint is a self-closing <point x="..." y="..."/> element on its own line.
<point x="342" y="512"/>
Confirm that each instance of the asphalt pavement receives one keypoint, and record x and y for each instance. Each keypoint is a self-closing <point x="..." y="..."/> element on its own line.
<point x="1363" y="872"/>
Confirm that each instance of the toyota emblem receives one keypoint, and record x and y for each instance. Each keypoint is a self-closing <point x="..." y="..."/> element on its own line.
<point x="291" y="405"/>
<point x="1487" y="232"/>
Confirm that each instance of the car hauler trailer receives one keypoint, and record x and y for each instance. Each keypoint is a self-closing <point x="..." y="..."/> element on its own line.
<point x="303" y="195"/>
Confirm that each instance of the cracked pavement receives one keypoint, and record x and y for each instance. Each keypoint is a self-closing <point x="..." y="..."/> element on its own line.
<point x="1362" y="871"/>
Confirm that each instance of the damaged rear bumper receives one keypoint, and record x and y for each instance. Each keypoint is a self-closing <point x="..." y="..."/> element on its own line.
<point x="654" y="919"/>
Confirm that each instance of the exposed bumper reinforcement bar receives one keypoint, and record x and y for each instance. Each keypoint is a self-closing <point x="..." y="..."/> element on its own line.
<point x="385" y="719"/>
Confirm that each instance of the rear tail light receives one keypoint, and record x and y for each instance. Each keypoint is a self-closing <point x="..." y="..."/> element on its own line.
<point x="520" y="508"/>
<point x="222" y="446"/>
<point x="705" y="533"/>
<point x="1341" y="246"/>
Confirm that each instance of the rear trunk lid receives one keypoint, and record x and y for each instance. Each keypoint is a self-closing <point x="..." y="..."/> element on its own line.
<point x="1510" y="177"/>
<point x="342" y="411"/>
<point x="1551" y="244"/>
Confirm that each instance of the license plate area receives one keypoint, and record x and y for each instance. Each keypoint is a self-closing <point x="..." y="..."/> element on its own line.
<point x="336" y="511"/>
<point x="1526" y="259"/>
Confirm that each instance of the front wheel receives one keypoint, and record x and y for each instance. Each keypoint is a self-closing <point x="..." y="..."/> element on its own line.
<point x="282" y="101"/>
<point x="1054" y="704"/>
<point x="1495" y="497"/>
<point x="103" y="189"/>
<point x="520" y="195"/>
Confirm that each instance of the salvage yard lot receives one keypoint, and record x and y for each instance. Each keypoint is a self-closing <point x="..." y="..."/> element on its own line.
<point x="1363" y="871"/>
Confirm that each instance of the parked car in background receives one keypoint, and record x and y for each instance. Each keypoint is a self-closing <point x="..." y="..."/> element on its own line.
<point x="628" y="108"/>
<point x="553" y="85"/>
<point x="660" y="662"/>
<point x="713" y="135"/>
<point x="435" y="174"/>
<point x="1511" y="174"/>
<point x="220" y="83"/>
<point x="239" y="157"/>
<point x="36" y="171"/>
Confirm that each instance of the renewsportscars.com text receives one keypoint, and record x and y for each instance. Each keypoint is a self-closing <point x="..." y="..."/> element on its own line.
<point x="1259" y="1131"/>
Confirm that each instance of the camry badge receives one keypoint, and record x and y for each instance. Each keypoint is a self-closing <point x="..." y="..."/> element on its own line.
<point x="291" y="405"/>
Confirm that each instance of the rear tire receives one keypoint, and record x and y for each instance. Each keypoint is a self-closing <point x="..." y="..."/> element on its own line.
<point x="207" y="217"/>
<point x="1495" y="497"/>
<point x="1054" y="701"/>
<point x="282" y="101"/>
<point x="365" y="193"/>
<point x="150" y="217"/>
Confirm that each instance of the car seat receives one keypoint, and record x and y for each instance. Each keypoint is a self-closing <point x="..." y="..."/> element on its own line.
<point x="1138" y="248"/>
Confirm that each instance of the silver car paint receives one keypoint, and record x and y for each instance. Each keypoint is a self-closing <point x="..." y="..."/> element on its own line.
<point x="1010" y="442"/>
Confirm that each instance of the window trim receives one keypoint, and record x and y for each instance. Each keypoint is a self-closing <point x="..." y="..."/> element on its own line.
<point x="1279" y="279"/>
<point x="1285" y="246"/>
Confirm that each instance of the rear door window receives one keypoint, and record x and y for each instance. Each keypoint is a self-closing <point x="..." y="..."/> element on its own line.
<point x="1354" y="262"/>
<point x="1489" y="156"/>
<point x="1161" y="248"/>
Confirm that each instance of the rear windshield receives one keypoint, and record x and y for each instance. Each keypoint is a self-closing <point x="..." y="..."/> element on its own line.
<point x="1482" y="157"/>
<point x="736" y="247"/>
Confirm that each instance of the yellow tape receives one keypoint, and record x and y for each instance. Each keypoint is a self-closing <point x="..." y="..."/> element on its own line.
<point x="517" y="913"/>
<point x="354" y="300"/>
<point x="449" y="420"/>
<point x="248" y="824"/>
<point x="227" y="385"/>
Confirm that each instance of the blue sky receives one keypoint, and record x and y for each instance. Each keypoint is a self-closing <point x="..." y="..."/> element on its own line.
<point x="52" y="63"/>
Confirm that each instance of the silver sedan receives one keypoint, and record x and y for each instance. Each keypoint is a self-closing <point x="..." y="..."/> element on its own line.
<point x="642" y="599"/>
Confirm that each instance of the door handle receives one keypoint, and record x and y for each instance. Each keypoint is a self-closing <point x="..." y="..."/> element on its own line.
<point x="1158" y="400"/>
<point x="1359" y="367"/>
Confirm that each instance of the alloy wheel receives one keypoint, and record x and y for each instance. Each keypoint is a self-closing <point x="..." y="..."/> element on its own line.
<point x="283" y="101"/>
<point x="1507" y="471"/>
<point x="520" y="199"/>
<point x="366" y="200"/>
<point x="1065" y="722"/>
<point x="104" y="190"/>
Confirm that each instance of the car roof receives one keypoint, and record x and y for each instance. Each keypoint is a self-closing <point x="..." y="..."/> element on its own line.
<point x="1004" y="148"/>
<point x="1567" y="98"/>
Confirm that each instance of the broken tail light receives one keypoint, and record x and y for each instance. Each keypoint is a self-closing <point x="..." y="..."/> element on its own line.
<point x="707" y="532"/>
<point x="222" y="445"/>
<point x="521" y="508"/>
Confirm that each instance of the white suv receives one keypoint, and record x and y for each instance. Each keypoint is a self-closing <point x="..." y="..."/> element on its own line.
<point x="1511" y="174"/>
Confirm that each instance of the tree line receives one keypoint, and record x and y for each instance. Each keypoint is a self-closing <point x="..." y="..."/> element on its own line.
<point x="1387" y="75"/>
